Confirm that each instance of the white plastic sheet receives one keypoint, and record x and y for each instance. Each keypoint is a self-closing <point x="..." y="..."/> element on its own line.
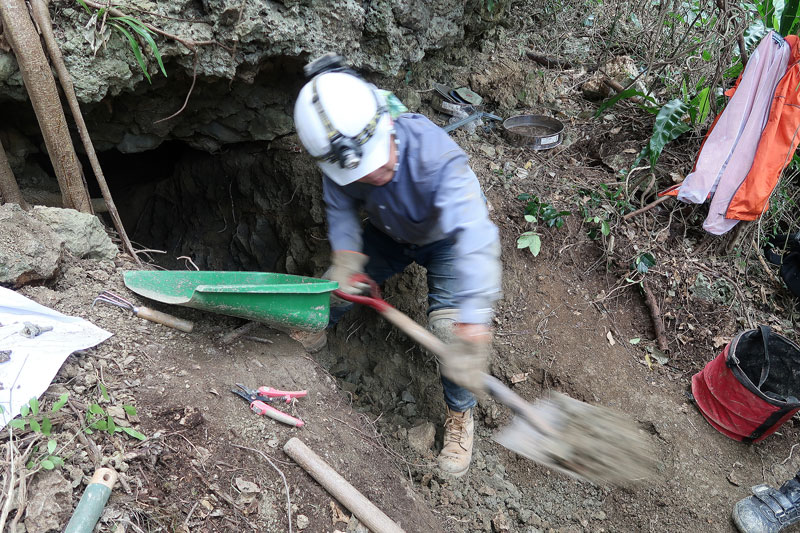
<point x="35" y="361"/>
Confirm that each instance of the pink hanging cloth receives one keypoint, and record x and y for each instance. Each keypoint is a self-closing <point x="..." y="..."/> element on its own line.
<point x="728" y="151"/>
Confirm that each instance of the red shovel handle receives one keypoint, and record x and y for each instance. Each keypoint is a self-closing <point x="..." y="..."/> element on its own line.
<point x="374" y="299"/>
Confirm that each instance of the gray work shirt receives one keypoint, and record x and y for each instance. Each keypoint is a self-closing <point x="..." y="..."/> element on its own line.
<point x="432" y="196"/>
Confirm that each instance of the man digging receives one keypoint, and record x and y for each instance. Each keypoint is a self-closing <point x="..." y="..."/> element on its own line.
<point x="424" y="205"/>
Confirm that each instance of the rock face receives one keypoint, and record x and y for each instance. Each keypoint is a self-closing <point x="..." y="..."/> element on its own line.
<point x="50" y="503"/>
<point x="83" y="234"/>
<point x="29" y="250"/>
<point x="249" y="69"/>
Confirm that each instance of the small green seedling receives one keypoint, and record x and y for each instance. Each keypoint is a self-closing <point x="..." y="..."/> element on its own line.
<point x="38" y="421"/>
<point x="530" y="239"/>
<point x="97" y="419"/>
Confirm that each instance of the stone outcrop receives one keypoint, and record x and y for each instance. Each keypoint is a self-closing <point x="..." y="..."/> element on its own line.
<point x="249" y="74"/>
<point x="29" y="250"/>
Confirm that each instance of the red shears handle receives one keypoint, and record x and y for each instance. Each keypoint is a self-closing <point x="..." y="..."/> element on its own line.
<point x="287" y="395"/>
<point x="261" y="408"/>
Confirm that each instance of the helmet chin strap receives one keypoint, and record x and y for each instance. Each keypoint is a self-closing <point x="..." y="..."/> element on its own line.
<point x="344" y="150"/>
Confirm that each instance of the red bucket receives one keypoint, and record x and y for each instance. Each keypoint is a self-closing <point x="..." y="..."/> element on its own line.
<point x="751" y="388"/>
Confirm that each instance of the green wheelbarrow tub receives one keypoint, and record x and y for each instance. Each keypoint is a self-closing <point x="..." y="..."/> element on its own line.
<point x="284" y="300"/>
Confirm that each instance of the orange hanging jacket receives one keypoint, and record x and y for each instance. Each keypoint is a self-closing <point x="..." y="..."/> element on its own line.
<point x="778" y="142"/>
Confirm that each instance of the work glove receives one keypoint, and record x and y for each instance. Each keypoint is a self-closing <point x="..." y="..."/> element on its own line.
<point x="467" y="357"/>
<point x="344" y="265"/>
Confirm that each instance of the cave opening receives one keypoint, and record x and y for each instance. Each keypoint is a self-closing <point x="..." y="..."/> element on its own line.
<point x="247" y="207"/>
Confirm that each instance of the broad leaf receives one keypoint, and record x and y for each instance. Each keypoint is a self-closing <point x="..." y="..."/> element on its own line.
<point x="111" y="427"/>
<point x="130" y="410"/>
<point x="25" y="410"/>
<point x="777" y="13"/>
<point x="627" y="93"/>
<point x="789" y="17"/>
<point x="47" y="464"/>
<point x="535" y="246"/>
<point x="18" y="423"/>
<point x="668" y="126"/>
<point x="35" y="426"/>
<point x="61" y="402"/>
<point x="526" y="239"/>
<point x="51" y="446"/>
<point x="34" y="406"/>
<point x="57" y="461"/>
<point x="47" y="425"/>
<point x="104" y="392"/>
<point x="644" y="262"/>
<point x="133" y="433"/>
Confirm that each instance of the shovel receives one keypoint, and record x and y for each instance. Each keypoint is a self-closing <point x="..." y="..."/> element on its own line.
<point x="572" y="437"/>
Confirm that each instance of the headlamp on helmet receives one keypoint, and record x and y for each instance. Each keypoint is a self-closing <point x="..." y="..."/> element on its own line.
<point x="344" y="150"/>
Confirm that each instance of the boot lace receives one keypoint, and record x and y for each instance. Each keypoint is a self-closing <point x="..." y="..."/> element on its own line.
<point x="455" y="429"/>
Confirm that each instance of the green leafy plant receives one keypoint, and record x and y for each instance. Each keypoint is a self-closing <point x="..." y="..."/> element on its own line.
<point x="97" y="419"/>
<point x="599" y="208"/>
<point x="39" y="421"/>
<point x="543" y="211"/>
<point x="46" y="459"/>
<point x="132" y="29"/>
<point x="530" y="239"/>
<point x="644" y="262"/>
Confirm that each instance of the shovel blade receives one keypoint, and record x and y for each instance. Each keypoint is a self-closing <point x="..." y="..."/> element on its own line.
<point x="583" y="441"/>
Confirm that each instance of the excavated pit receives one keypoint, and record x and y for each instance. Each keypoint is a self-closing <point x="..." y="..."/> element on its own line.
<point x="254" y="205"/>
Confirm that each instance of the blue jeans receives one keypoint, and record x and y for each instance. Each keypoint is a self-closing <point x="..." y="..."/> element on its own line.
<point x="387" y="258"/>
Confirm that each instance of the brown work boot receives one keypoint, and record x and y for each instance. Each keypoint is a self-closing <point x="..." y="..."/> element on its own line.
<point x="456" y="453"/>
<point x="312" y="341"/>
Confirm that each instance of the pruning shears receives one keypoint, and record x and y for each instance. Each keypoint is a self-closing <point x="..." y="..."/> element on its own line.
<point x="260" y="399"/>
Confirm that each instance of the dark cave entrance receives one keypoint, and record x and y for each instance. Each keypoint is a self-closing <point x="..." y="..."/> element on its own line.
<point x="248" y="207"/>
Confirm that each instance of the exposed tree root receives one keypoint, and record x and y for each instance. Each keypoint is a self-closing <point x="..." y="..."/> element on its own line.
<point x="38" y="78"/>
<point x="42" y="17"/>
<point x="9" y="189"/>
<point x="655" y="316"/>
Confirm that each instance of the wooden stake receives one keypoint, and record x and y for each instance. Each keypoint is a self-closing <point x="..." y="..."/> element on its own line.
<point x="366" y="512"/>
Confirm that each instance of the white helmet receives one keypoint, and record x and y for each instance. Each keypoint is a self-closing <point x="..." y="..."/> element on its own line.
<point x="344" y="124"/>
